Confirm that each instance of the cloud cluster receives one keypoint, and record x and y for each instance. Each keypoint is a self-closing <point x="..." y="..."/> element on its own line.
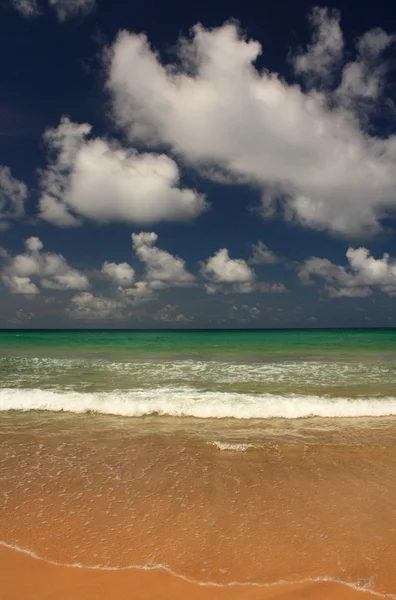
<point x="226" y="275"/>
<point x="244" y="313"/>
<point x="97" y="179"/>
<point x="308" y="150"/>
<point x="88" y="307"/>
<point x="13" y="194"/>
<point x="170" y="314"/>
<point x="363" y="273"/>
<point x="162" y="268"/>
<point x="64" y="9"/>
<point x="28" y="272"/>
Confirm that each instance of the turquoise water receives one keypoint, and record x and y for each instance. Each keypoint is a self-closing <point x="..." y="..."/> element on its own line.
<point x="238" y="373"/>
<point x="200" y="342"/>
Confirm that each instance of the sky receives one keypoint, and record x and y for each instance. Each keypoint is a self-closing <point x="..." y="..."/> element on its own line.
<point x="169" y="165"/>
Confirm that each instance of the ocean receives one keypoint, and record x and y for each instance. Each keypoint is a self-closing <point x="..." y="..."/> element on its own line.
<point x="237" y="374"/>
<point x="234" y="462"/>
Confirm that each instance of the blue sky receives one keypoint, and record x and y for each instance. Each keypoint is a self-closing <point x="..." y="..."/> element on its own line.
<point x="225" y="165"/>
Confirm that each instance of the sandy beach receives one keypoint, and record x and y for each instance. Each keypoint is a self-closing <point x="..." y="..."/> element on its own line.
<point x="280" y="519"/>
<point x="33" y="579"/>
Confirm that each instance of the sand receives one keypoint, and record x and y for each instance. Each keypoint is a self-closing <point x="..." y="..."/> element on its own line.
<point x="31" y="579"/>
<point x="281" y="509"/>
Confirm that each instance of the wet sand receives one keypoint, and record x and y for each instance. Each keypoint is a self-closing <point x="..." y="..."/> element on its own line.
<point x="215" y="504"/>
<point x="31" y="579"/>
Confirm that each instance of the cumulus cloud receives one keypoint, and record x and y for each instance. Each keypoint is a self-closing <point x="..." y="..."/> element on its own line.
<point x="140" y="293"/>
<point x="121" y="274"/>
<point x="97" y="179"/>
<point x="13" y="194"/>
<point x="262" y="255"/>
<point x="307" y="150"/>
<point x="162" y="268"/>
<point x="88" y="307"/>
<point x="26" y="273"/>
<point x="170" y="314"/>
<point x="19" y="285"/>
<point x="227" y="274"/>
<point x="64" y="9"/>
<point x="363" y="273"/>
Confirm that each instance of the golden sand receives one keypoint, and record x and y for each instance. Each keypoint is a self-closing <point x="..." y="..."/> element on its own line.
<point x="27" y="578"/>
<point x="280" y="511"/>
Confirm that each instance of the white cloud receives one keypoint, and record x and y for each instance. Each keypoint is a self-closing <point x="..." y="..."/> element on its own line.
<point x="88" y="307"/>
<point x="306" y="150"/>
<point x="121" y="274"/>
<point x="13" y="194"/>
<point x="162" y="268"/>
<point x="170" y="314"/>
<point x="138" y="294"/>
<point x="220" y="269"/>
<point x="66" y="9"/>
<point x="325" y="53"/>
<point x="363" y="273"/>
<point x="99" y="180"/>
<point x="363" y="80"/>
<point x="226" y="275"/>
<point x="262" y="255"/>
<point x="19" y="285"/>
<point x="48" y="270"/>
<point x="27" y="8"/>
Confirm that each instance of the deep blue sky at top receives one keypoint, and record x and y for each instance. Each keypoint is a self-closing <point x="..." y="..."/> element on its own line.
<point x="48" y="69"/>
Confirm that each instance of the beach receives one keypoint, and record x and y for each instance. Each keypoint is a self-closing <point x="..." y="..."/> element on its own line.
<point x="181" y="510"/>
<point x="25" y="577"/>
<point x="162" y="506"/>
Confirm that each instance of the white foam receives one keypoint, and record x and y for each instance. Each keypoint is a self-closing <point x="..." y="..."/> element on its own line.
<point x="181" y="402"/>
<point x="233" y="447"/>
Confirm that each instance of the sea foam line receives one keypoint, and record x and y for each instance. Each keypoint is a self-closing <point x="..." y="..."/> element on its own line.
<point x="166" y="569"/>
<point x="191" y="402"/>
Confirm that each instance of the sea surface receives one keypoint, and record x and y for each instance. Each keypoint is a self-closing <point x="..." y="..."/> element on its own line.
<point x="260" y="374"/>
<point x="230" y="459"/>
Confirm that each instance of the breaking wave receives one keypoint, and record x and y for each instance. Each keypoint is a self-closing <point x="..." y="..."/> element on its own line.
<point x="189" y="402"/>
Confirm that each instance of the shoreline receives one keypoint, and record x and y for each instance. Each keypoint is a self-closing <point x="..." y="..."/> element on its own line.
<point x="317" y="513"/>
<point x="32" y="578"/>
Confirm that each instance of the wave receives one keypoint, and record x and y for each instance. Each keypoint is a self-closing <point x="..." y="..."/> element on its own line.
<point x="189" y="402"/>
<point x="318" y="373"/>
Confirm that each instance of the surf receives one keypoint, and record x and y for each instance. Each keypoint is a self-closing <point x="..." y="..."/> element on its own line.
<point x="190" y="402"/>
